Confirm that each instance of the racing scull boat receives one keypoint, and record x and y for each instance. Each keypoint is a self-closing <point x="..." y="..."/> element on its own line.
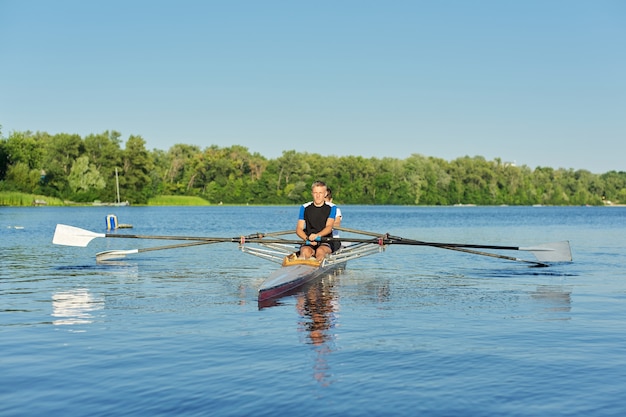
<point x="295" y="272"/>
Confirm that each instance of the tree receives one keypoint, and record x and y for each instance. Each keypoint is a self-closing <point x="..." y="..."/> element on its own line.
<point x="136" y="169"/>
<point x="105" y="153"/>
<point x="25" y="148"/>
<point x="85" y="179"/>
<point x="178" y="174"/>
<point x="4" y="159"/>
<point x="66" y="166"/>
<point x="60" y="153"/>
<point x="19" y="177"/>
<point x="613" y="187"/>
<point x="289" y="164"/>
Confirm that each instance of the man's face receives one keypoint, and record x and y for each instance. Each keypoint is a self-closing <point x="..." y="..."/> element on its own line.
<point x="319" y="194"/>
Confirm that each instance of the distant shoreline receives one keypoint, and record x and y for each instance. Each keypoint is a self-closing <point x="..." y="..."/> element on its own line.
<point x="17" y="199"/>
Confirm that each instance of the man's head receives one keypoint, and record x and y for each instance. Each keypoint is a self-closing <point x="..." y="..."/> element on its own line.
<point x="318" y="190"/>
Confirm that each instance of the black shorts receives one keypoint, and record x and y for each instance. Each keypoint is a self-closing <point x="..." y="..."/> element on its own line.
<point x="335" y="245"/>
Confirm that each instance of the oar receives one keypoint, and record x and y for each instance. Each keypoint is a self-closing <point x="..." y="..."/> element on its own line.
<point x="118" y="254"/>
<point x="547" y="252"/>
<point x="75" y="236"/>
<point x="458" y="248"/>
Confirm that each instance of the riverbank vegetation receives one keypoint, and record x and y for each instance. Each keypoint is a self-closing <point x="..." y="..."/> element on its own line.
<point x="177" y="200"/>
<point x="14" y="198"/>
<point x="64" y="168"/>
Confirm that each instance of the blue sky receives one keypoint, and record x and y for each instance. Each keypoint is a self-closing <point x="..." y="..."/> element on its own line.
<point x="538" y="83"/>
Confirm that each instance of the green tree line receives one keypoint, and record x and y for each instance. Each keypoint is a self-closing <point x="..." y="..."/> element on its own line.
<point x="82" y="169"/>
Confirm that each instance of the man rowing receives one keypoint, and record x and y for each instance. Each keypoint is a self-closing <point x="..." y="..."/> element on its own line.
<point x="316" y="220"/>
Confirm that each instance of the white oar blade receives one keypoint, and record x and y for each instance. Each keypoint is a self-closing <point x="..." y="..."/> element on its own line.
<point x="114" y="254"/>
<point x="73" y="236"/>
<point x="552" y="252"/>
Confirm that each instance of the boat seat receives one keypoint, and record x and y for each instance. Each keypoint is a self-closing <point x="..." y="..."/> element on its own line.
<point x="294" y="260"/>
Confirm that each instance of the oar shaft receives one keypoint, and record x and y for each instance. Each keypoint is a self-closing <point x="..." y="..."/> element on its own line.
<point x="251" y="238"/>
<point x="396" y="240"/>
<point x="117" y="254"/>
<point x="494" y="255"/>
<point x="402" y="241"/>
<point x="179" y="245"/>
<point x="460" y="247"/>
<point x="196" y="238"/>
<point x="361" y="232"/>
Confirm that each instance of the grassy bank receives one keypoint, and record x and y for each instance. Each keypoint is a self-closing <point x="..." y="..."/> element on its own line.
<point x="17" y="199"/>
<point x="177" y="200"/>
<point x="14" y="198"/>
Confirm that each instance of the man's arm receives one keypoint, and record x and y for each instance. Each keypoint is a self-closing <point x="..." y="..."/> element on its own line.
<point x="300" y="229"/>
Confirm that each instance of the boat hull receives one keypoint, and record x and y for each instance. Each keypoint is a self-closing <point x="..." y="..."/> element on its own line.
<point x="291" y="277"/>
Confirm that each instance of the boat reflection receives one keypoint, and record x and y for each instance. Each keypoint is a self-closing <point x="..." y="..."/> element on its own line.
<point x="75" y="306"/>
<point x="317" y="305"/>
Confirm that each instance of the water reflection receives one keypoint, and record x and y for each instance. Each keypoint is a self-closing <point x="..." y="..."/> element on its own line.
<point x="554" y="299"/>
<point x="75" y="306"/>
<point x="318" y="306"/>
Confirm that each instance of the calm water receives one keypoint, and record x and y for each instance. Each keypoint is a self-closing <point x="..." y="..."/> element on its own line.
<point x="411" y="331"/>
